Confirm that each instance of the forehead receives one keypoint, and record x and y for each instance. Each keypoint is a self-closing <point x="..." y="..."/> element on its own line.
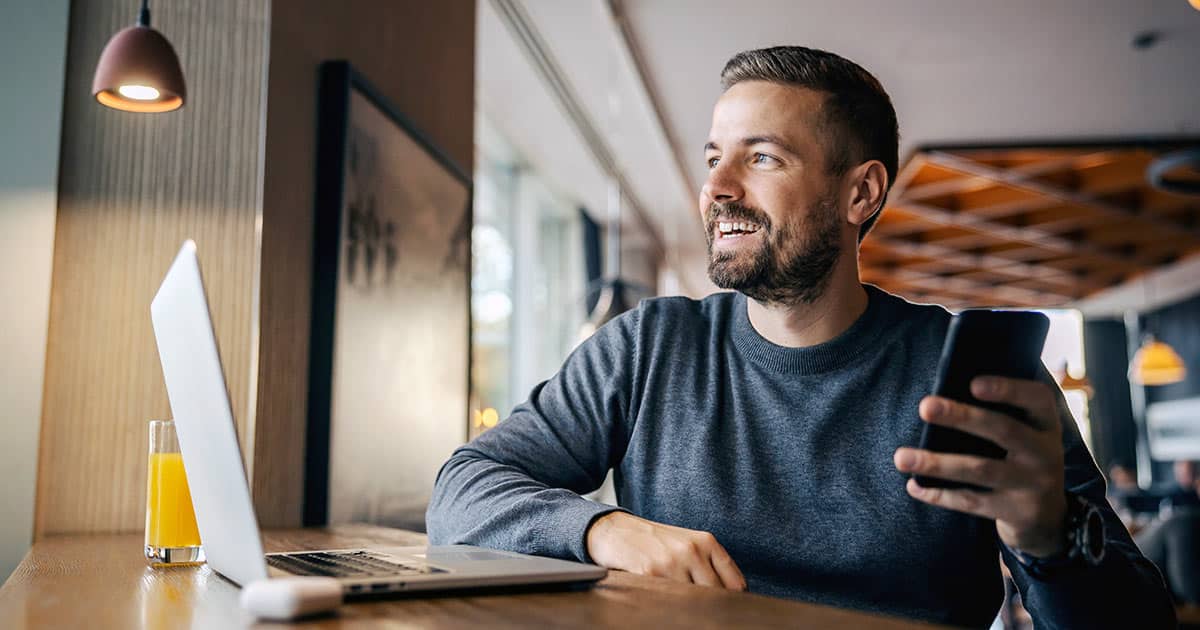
<point x="754" y="108"/>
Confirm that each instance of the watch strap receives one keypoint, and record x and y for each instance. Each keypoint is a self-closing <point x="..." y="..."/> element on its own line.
<point x="1085" y="532"/>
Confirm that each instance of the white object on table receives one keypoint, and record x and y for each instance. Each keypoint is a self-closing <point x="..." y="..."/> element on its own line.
<point x="283" y="599"/>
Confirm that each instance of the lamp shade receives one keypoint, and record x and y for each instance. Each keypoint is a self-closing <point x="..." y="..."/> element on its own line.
<point x="1156" y="363"/>
<point x="1177" y="172"/>
<point x="139" y="72"/>
<point x="1070" y="383"/>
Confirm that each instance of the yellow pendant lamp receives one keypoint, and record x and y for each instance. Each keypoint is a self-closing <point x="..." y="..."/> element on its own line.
<point x="1156" y="363"/>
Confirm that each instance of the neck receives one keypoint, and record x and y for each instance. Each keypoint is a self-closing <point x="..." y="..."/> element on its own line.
<point x="808" y="324"/>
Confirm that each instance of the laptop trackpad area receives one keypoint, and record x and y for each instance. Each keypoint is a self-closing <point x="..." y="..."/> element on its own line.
<point x="456" y="555"/>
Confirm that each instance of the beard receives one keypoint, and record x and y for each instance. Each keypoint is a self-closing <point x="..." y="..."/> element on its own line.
<point x="793" y="263"/>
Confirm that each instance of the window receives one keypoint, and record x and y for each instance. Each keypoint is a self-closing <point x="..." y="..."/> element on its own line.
<point x="1063" y="354"/>
<point x="527" y="282"/>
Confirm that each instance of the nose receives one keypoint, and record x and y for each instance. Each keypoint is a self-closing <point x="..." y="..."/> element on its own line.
<point x="723" y="185"/>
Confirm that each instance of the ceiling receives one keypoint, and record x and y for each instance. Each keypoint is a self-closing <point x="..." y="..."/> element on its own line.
<point x="959" y="73"/>
<point x="1027" y="226"/>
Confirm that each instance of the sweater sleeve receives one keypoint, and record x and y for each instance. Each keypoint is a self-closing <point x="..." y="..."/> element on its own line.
<point x="1124" y="591"/>
<point x="517" y="486"/>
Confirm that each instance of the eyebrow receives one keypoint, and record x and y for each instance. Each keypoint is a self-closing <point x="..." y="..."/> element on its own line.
<point x="759" y="139"/>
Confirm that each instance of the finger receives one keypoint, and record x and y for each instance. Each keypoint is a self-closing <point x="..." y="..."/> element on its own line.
<point x="980" y="471"/>
<point x="1004" y="430"/>
<point x="731" y="576"/>
<point x="672" y="571"/>
<point x="959" y="500"/>
<point x="668" y="563"/>
<point x="1035" y="397"/>
<point x="702" y="573"/>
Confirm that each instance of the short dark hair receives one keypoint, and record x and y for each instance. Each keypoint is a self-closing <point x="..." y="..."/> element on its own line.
<point x="857" y="112"/>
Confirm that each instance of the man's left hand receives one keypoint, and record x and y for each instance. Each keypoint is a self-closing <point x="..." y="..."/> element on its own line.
<point x="1027" y="498"/>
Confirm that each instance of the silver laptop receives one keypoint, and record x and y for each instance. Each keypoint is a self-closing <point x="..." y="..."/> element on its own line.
<point x="187" y="348"/>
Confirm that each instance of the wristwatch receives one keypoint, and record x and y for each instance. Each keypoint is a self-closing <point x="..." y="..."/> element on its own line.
<point x="1085" y="541"/>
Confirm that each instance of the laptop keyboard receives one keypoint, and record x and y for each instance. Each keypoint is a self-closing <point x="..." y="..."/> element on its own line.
<point x="345" y="564"/>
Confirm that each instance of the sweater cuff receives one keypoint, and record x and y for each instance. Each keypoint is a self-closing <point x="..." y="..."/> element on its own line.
<point x="564" y="533"/>
<point x="1045" y="571"/>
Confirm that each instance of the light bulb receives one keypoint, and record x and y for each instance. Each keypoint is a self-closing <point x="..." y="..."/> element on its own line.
<point x="138" y="92"/>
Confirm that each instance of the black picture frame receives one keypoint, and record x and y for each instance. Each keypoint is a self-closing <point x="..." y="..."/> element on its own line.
<point x="336" y="240"/>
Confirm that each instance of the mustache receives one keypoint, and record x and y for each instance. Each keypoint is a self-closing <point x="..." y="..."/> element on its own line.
<point x="734" y="212"/>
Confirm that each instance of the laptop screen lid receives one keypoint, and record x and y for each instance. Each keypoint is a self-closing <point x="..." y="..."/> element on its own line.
<point x="191" y="364"/>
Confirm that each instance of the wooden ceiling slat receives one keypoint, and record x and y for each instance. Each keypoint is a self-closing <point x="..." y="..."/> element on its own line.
<point x="1154" y="200"/>
<point x="995" y="195"/>
<point x="945" y="187"/>
<point x="915" y="166"/>
<point x="1130" y="234"/>
<point x="1067" y="161"/>
<point x="1125" y="174"/>
<point x="961" y="240"/>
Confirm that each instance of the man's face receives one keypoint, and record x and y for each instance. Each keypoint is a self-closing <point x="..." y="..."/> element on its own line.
<point x="769" y="205"/>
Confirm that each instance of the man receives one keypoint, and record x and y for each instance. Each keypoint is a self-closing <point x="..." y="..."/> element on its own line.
<point x="762" y="438"/>
<point x="1172" y="542"/>
<point x="1187" y="494"/>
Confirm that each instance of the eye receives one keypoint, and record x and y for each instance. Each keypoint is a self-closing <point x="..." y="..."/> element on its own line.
<point x="763" y="158"/>
<point x="712" y="162"/>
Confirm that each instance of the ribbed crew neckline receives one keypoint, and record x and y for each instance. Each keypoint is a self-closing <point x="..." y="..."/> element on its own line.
<point x="823" y="357"/>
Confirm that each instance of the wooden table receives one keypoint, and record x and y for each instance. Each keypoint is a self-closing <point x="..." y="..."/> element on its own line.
<point x="103" y="582"/>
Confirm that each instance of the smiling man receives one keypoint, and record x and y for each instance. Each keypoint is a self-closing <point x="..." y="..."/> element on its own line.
<point x="763" y="438"/>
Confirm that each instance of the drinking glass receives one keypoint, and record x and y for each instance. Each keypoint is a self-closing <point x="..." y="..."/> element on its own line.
<point x="172" y="536"/>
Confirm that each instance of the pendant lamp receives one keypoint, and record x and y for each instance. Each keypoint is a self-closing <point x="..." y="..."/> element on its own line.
<point x="1156" y="363"/>
<point x="139" y="71"/>
<point x="613" y="299"/>
<point x="1069" y="383"/>
<point x="616" y="294"/>
<point x="1177" y="172"/>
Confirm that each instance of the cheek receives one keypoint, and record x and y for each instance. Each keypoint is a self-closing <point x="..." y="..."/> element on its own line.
<point x="782" y="201"/>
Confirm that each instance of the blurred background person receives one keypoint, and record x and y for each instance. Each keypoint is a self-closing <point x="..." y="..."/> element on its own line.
<point x="1172" y="541"/>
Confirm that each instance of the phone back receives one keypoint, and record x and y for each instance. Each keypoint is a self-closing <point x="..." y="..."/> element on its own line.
<point x="982" y="342"/>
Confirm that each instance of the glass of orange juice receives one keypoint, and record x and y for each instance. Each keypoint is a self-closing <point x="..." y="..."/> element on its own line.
<point x="171" y="533"/>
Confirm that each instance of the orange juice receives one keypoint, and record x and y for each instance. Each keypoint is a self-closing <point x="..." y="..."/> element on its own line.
<point x="170" y="520"/>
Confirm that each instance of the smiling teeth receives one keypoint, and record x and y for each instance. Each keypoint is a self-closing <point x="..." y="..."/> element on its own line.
<point x="740" y="227"/>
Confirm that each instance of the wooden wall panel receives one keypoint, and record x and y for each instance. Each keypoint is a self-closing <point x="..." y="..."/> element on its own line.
<point x="132" y="187"/>
<point x="421" y="56"/>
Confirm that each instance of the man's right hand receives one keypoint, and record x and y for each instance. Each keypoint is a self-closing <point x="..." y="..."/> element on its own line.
<point x="622" y="541"/>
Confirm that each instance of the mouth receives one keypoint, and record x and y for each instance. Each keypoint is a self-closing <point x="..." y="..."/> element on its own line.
<point x="729" y="233"/>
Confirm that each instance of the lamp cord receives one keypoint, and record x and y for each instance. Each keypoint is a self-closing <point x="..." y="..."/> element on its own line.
<point x="144" y="14"/>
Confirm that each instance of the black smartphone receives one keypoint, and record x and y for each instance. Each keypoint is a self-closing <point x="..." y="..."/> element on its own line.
<point x="982" y="342"/>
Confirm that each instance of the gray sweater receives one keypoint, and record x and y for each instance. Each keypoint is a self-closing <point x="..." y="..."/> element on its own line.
<point x="784" y="454"/>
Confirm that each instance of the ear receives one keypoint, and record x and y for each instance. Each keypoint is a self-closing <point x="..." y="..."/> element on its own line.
<point x="865" y="186"/>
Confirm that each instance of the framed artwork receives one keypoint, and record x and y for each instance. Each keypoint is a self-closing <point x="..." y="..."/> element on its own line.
<point x="390" y="346"/>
